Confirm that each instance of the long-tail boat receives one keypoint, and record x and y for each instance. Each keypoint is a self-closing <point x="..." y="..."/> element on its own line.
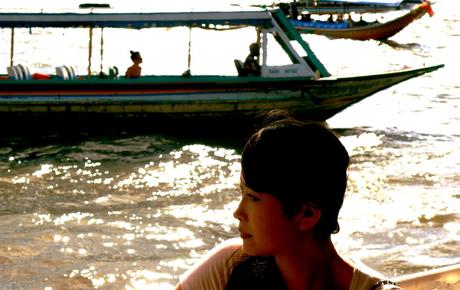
<point x="358" y="30"/>
<point x="303" y="87"/>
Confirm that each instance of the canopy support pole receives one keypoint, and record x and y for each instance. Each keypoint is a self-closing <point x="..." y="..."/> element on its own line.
<point x="12" y="47"/>
<point x="102" y="47"/>
<point x="189" y="58"/>
<point x="264" y="53"/>
<point x="90" y="50"/>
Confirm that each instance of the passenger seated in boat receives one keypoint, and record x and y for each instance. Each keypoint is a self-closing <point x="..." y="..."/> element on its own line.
<point x="293" y="180"/>
<point x="134" y="71"/>
<point x="339" y="17"/>
<point x="251" y="65"/>
<point x="361" y="22"/>
<point x="306" y="17"/>
<point x="350" y="21"/>
<point x="294" y="10"/>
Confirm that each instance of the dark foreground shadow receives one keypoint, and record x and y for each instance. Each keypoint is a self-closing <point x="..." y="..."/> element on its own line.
<point x="227" y="132"/>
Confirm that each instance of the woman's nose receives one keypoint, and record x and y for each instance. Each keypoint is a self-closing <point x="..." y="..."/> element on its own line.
<point x="239" y="213"/>
<point x="235" y="215"/>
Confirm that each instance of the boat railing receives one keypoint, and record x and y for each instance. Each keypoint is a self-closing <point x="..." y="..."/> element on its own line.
<point x="321" y="24"/>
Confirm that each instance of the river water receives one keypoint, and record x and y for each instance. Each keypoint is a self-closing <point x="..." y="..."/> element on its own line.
<point x="133" y="208"/>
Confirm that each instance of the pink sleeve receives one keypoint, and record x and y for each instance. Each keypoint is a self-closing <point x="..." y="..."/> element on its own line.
<point x="213" y="270"/>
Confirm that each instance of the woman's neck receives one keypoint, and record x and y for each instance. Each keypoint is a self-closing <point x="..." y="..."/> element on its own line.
<point x="316" y="266"/>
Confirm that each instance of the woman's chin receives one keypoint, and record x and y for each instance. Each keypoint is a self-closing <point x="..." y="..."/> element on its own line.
<point x="251" y="250"/>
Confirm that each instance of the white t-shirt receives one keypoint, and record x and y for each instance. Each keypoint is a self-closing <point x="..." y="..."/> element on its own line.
<point x="215" y="268"/>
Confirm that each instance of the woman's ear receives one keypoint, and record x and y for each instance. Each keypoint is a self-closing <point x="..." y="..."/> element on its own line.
<point x="309" y="216"/>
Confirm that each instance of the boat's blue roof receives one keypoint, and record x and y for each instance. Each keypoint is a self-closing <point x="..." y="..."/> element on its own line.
<point x="136" y="20"/>
<point x="392" y="3"/>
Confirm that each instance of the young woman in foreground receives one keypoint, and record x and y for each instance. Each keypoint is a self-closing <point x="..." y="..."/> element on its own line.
<point x="293" y="182"/>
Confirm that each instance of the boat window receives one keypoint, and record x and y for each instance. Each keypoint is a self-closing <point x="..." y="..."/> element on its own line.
<point x="165" y="50"/>
<point x="214" y="51"/>
<point x="276" y="55"/>
<point x="32" y="48"/>
<point x="298" y="48"/>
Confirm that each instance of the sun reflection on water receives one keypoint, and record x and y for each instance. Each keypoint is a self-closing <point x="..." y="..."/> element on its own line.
<point x="91" y="213"/>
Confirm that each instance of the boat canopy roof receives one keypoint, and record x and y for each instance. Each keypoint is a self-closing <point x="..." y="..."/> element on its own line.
<point x="390" y="3"/>
<point x="267" y="20"/>
<point x="261" y="18"/>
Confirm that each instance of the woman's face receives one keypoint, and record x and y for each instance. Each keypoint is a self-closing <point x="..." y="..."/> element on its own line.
<point x="263" y="226"/>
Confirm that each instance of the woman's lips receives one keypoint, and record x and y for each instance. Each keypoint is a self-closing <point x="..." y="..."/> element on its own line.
<point x="244" y="235"/>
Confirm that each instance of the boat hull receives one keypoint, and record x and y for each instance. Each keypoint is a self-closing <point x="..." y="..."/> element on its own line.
<point x="199" y="96"/>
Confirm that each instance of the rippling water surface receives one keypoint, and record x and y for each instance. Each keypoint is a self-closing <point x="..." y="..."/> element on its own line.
<point x="133" y="209"/>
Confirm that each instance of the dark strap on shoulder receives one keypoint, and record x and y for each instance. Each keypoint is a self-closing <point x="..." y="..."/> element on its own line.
<point x="383" y="282"/>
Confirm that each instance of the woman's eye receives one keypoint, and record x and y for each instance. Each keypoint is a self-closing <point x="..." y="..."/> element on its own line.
<point x="252" y="197"/>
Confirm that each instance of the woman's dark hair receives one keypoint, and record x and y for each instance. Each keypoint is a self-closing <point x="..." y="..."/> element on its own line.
<point x="298" y="163"/>
<point x="256" y="272"/>
<point x="134" y="55"/>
